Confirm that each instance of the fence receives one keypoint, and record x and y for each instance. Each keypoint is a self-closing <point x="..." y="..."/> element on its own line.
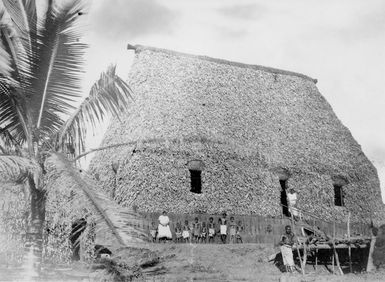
<point x="259" y="229"/>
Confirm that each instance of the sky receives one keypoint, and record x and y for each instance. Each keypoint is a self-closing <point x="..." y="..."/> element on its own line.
<point x="339" y="42"/>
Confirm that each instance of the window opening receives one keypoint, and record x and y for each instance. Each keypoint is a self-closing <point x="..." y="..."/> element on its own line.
<point x="285" y="209"/>
<point x="196" y="181"/>
<point x="338" y="195"/>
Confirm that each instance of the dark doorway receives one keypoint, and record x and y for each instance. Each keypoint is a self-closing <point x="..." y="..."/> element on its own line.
<point x="338" y="195"/>
<point x="196" y="181"/>
<point x="78" y="228"/>
<point x="285" y="209"/>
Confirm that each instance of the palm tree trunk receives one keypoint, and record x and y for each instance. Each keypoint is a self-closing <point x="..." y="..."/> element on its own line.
<point x="34" y="236"/>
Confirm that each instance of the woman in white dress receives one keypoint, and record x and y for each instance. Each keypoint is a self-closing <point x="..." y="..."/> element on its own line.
<point x="164" y="231"/>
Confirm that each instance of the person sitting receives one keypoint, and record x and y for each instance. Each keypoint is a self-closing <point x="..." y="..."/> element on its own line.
<point x="211" y="226"/>
<point x="196" y="230"/>
<point x="164" y="231"/>
<point x="286" y="243"/>
<point x="186" y="232"/>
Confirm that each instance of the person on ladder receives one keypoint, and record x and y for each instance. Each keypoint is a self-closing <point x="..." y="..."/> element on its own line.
<point x="292" y="201"/>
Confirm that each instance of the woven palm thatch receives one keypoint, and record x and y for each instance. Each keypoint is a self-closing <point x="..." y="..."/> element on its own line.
<point x="13" y="220"/>
<point x="250" y="126"/>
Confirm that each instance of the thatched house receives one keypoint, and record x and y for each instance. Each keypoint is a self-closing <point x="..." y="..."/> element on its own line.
<point x="207" y="135"/>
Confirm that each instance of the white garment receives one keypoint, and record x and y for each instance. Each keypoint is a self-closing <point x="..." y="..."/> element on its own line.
<point x="164" y="230"/>
<point x="185" y="234"/>
<point x="223" y="229"/>
<point x="292" y="198"/>
<point x="287" y="255"/>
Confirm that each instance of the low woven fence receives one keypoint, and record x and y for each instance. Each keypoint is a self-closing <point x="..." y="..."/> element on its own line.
<point x="258" y="229"/>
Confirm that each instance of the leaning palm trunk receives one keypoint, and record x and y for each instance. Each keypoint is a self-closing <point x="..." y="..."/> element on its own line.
<point x="41" y="62"/>
<point x="116" y="226"/>
<point x="34" y="234"/>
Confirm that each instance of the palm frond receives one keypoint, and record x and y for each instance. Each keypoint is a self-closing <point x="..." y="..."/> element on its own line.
<point x="13" y="167"/>
<point x="109" y="95"/>
<point x="7" y="142"/>
<point x="118" y="222"/>
<point x="13" y="113"/>
<point x="24" y="16"/>
<point x="58" y="67"/>
<point x="5" y="60"/>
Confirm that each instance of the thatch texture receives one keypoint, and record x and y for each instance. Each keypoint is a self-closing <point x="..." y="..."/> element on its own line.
<point x="13" y="220"/>
<point x="247" y="124"/>
<point x="63" y="208"/>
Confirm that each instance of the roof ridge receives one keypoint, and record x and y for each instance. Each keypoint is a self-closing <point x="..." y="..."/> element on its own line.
<point x="139" y="48"/>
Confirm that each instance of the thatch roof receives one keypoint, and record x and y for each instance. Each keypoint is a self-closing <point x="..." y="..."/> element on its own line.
<point x="247" y="123"/>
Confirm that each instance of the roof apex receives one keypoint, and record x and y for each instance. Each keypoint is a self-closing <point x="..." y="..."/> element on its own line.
<point x="140" y="48"/>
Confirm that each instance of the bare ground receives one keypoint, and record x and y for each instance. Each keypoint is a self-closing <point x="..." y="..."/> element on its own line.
<point x="216" y="262"/>
<point x="239" y="262"/>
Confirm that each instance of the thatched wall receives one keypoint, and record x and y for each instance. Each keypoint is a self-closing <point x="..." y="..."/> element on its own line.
<point x="13" y="220"/>
<point x="250" y="125"/>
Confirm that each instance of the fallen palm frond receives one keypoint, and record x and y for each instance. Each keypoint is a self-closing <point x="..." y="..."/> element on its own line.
<point x="113" y="222"/>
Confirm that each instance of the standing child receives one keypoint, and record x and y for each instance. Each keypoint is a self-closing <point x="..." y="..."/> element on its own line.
<point x="178" y="233"/>
<point x="153" y="232"/>
<point x="223" y="227"/>
<point x="238" y="235"/>
<point x="233" y="229"/>
<point x="196" y="230"/>
<point x="211" y="226"/>
<point x="204" y="233"/>
<point x="186" y="232"/>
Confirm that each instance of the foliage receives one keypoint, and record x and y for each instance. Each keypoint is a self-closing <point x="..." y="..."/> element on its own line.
<point x="43" y="113"/>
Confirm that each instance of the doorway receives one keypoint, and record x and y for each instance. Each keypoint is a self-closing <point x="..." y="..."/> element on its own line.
<point x="285" y="209"/>
<point x="78" y="228"/>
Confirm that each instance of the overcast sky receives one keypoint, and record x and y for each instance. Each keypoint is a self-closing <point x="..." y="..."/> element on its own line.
<point x="339" y="42"/>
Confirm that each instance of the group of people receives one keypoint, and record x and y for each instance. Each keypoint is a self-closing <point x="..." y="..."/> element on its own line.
<point x="197" y="231"/>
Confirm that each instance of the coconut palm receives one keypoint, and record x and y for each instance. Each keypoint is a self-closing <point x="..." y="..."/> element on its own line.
<point x="41" y="63"/>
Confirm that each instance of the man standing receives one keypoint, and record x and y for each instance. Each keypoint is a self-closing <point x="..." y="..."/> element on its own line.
<point x="286" y="243"/>
<point x="292" y="201"/>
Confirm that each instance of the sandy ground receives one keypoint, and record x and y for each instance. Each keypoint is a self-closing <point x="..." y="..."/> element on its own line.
<point x="217" y="262"/>
<point x="239" y="262"/>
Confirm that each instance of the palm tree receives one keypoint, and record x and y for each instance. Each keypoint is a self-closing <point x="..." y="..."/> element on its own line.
<point x="41" y="62"/>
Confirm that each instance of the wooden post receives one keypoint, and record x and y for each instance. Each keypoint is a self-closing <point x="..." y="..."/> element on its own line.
<point x="370" y="266"/>
<point x="299" y="255"/>
<point x="335" y="254"/>
<point x="337" y="260"/>
<point x="349" y="246"/>
<point x="334" y="231"/>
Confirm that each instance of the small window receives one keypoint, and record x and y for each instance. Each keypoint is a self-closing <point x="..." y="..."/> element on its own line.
<point x="338" y="195"/>
<point x="196" y="181"/>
